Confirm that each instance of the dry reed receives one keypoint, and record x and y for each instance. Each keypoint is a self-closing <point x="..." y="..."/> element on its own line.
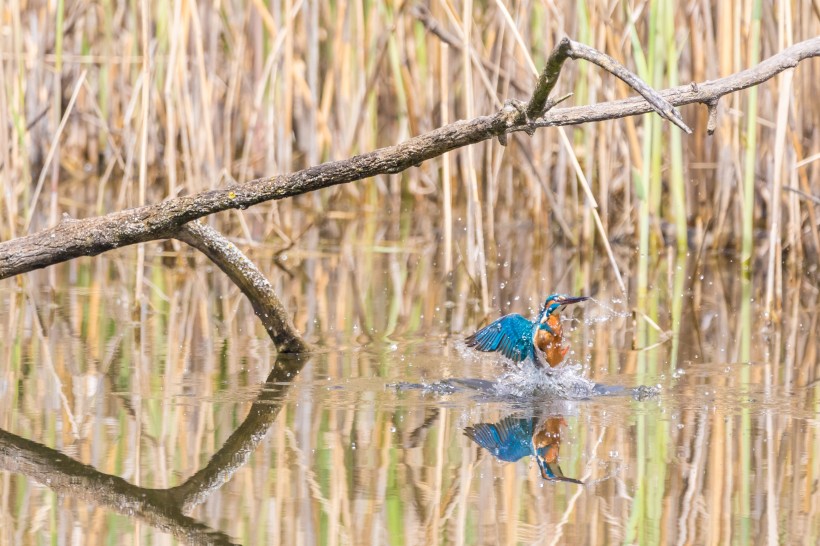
<point x="194" y="98"/>
<point x="140" y="101"/>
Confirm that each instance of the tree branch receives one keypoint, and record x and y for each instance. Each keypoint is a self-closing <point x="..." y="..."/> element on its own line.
<point x="662" y="107"/>
<point x="250" y="280"/>
<point x="703" y="93"/>
<point x="92" y="236"/>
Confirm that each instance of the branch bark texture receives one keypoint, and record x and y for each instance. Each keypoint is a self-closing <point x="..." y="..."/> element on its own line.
<point x="88" y="237"/>
<point x="250" y="280"/>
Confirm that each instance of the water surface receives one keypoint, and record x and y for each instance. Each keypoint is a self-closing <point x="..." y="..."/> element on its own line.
<point x="193" y="429"/>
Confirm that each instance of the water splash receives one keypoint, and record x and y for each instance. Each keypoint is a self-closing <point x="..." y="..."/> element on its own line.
<point x="444" y="386"/>
<point x="466" y="353"/>
<point x="645" y="392"/>
<point x="529" y="380"/>
<point x="564" y="382"/>
<point x="603" y="312"/>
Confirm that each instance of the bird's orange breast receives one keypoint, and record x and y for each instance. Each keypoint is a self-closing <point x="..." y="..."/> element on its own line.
<point x="551" y="344"/>
<point x="549" y="435"/>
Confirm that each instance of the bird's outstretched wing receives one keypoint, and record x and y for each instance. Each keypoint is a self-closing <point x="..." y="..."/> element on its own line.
<point x="510" y="335"/>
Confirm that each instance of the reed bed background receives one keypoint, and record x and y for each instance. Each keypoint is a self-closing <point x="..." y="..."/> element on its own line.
<point x="144" y="372"/>
<point x="110" y="105"/>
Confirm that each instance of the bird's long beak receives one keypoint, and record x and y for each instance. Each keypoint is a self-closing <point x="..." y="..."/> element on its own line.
<point x="552" y="472"/>
<point x="568" y="300"/>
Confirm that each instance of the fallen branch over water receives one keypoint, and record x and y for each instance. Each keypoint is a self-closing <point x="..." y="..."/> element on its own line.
<point x="91" y="236"/>
<point x="73" y="238"/>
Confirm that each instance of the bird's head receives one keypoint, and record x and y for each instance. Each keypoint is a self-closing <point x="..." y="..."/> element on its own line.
<point x="554" y="304"/>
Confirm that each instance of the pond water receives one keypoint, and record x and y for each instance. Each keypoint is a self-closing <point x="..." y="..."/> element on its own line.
<point x="159" y="412"/>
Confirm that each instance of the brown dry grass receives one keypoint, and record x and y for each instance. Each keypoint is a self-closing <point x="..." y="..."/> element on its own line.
<point x="137" y="102"/>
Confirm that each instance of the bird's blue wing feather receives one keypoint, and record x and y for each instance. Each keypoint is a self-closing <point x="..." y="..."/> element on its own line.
<point x="510" y="335"/>
<point x="508" y="440"/>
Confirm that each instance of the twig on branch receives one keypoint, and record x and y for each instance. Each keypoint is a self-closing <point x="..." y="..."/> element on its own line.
<point x="703" y="93"/>
<point x="549" y="77"/>
<point x="661" y="106"/>
<point x="711" y="125"/>
<point x="92" y="236"/>
<point x="539" y="103"/>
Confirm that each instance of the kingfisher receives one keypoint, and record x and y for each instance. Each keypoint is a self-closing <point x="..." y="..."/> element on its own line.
<point x="513" y="438"/>
<point x="540" y="339"/>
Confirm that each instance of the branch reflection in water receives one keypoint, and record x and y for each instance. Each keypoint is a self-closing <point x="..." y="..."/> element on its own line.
<point x="165" y="509"/>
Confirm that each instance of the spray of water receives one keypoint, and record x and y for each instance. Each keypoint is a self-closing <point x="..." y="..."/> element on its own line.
<point x="527" y="380"/>
<point x="603" y="312"/>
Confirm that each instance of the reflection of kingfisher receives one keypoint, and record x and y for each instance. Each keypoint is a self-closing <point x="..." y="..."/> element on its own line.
<point x="517" y="338"/>
<point x="512" y="438"/>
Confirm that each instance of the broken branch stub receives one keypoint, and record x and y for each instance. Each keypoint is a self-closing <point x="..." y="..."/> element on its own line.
<point x="567" y="48"/>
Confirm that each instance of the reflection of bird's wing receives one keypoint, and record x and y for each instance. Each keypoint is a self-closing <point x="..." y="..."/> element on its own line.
<point x="509" y="440"/>
<point x="510" y="335"/>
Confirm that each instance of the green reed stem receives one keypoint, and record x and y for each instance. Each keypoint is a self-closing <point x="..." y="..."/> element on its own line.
<point x="635" y="528"/>
<point x="395" y="516"/>
<point x="641" y="179"/>
<point x="745" y="415"/>
<point x="676" y="304"/>
<point x="676" y="188"/>
<point x="654" y="74"/>
<point x="751" y="142"/>
<point x="58" y="40"/>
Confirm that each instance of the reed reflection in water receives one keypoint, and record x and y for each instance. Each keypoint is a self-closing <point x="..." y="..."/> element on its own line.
<point x="151" y="391"/>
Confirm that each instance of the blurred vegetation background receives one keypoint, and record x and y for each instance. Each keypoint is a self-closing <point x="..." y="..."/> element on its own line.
<point x="107" y="105"/>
